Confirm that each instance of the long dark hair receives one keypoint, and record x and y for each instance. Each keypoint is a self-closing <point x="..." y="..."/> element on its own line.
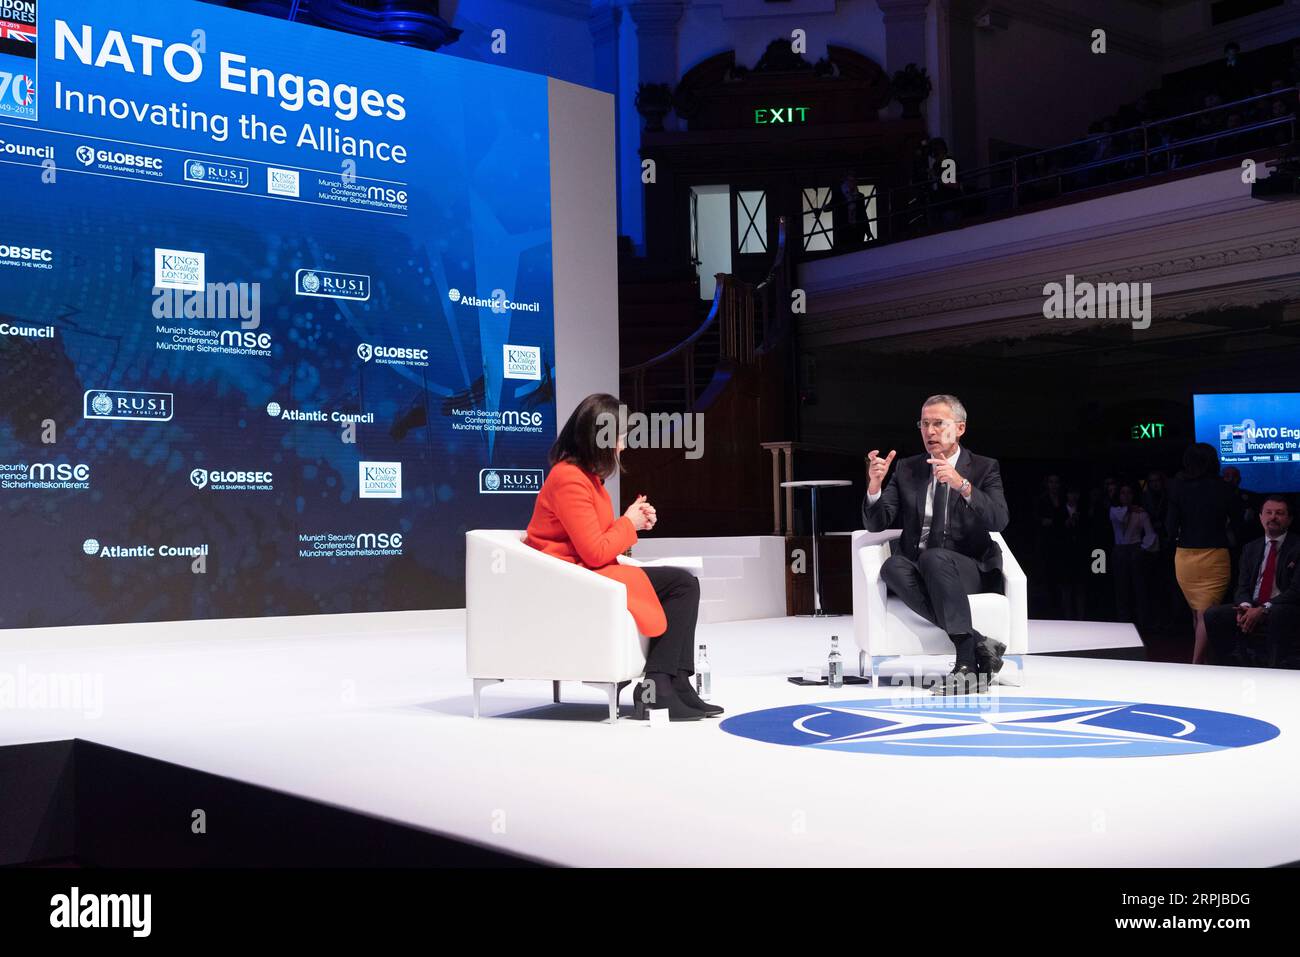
<point x="577" y="441"/>
<point x="1201" y="460"/>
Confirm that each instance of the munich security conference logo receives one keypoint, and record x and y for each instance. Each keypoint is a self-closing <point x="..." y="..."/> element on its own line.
<point x="1002" y="727"/>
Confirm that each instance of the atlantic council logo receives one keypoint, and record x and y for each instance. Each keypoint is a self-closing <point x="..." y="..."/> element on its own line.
<point x="128" y="406"/>
<point x="510" y="481"/>
<point x="332" y="285"/>
<point x="498" y="302"/>
<point x="1002" y="727"/>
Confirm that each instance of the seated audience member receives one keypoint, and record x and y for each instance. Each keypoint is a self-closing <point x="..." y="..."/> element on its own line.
<point x="1263" y="624"/>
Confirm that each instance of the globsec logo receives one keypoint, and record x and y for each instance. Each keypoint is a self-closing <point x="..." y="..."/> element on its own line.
<point x="119" y="160"/>
<point x="510" y="481"/>
<point x="332" y="285"/>
<point x="1002" y="727"/>
<point x="393" y="355"/>
<point x="199" y="478"/>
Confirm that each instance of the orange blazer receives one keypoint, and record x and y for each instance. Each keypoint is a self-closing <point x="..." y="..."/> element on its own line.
<point x="573" y="519"/>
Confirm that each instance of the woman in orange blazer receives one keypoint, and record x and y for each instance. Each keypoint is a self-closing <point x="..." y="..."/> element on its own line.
<point x="573" y="520"/>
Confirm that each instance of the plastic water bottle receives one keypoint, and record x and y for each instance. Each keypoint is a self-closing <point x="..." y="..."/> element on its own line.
<point x="835" y="665"/>
<point x="703" y="675"/>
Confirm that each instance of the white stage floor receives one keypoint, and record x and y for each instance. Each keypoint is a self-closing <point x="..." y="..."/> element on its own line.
<point x="372" y="713"/>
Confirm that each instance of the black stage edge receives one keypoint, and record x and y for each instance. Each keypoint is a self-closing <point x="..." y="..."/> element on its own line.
<point x="79" y="804"/>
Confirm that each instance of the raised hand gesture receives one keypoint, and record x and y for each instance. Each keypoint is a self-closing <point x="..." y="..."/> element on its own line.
<point x="877" y="468"/>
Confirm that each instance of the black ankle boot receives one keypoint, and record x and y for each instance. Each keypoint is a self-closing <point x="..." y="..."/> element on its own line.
<point x="664" y="697"/>
<point x="686" y="691"/>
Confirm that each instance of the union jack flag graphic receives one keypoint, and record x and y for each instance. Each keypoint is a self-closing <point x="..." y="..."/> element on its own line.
<point x="22" y="32"/>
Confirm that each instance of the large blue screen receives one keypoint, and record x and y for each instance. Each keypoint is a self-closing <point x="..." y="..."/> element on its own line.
<point x="275" y="314"/>
<point x="1257" y="432"/>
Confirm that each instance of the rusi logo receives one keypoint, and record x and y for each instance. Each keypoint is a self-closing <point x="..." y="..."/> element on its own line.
<point x="179" y="269"/>
<point x="282" y="182"/>
<point x="522" y="362"/>
<point x="510" y="481"/>
<point x="1105" y="300"/>
<point x="660" y="430"/>
<point x="332" y="285"/>
<point x="74" y="909"/>
<point x="134" y="406"/>
<point x="380" y="479"/>
<point x="217" y="174"/>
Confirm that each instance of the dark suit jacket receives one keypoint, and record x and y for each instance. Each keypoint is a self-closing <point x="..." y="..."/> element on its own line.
<point x="902" y="505"/>
<point x="1252" y="558"/>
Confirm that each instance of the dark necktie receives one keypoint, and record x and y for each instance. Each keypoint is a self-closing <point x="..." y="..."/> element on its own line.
<point x="1270" y="570"/>
<point x="938" y="516"/>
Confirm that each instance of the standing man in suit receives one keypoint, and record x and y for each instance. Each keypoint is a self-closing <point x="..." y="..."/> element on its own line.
<point x="1264" y="618"/>
<point x="946" y="501"/>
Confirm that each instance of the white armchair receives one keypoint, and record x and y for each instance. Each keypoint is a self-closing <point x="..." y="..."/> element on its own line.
<point x="532" y="616"/>
<point x="885" y="628"/>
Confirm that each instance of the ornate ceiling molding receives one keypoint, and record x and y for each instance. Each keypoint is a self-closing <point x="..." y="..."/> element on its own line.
<point x="1245" y="256"/>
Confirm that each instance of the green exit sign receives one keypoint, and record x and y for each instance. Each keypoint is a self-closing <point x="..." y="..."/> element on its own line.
<point x="1148" y="430"/>
<point x="782" y="115"/>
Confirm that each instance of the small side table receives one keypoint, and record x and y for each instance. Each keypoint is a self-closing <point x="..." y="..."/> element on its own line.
<point x="813" y="485"/>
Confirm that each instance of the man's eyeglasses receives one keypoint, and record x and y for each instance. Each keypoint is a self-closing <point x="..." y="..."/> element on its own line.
<point x="926" y="424"/>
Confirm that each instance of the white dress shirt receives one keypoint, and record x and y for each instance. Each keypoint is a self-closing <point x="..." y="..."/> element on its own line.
<point x="929" y="498"/>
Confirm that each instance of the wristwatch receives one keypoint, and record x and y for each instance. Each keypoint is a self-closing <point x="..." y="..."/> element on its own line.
<point x="965" y="487"/>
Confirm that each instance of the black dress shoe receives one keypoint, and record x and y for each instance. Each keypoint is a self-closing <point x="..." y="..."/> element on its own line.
<point x="988" y="652"/>
<point x="961" y="680"/>
<point x="678" y="710"/>
<point x="682" y="685"/>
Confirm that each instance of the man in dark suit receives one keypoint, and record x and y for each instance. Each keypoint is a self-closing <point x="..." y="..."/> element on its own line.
<point x="1264" y="620"/>
<point x="946" y="501"/>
